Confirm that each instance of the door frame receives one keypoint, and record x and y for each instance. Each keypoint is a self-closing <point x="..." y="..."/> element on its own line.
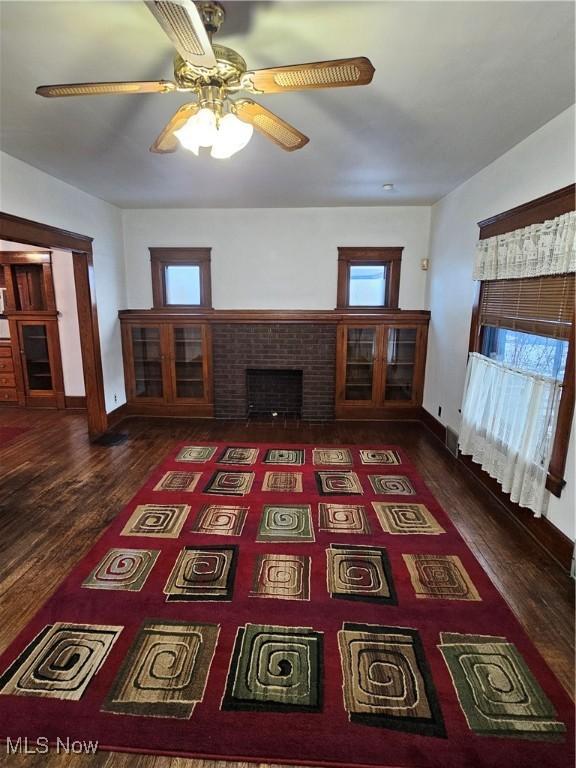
<point x="20" y="230"/>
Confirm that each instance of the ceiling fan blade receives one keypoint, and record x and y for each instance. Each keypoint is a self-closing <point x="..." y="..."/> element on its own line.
<point x="181" y="21"/>
<point x="95" y="89"/>
<point x="321" y="74"/>
<point x="270" y="125"/>
<point x="166" y="141"/>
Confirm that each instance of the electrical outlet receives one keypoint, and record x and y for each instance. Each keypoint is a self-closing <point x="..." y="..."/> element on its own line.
<point x="439" y="410"/>
<point x="115" y="397"/>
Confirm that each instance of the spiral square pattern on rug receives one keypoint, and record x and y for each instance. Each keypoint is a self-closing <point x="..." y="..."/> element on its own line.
<point x="287" y="456"/>
<point x="286" y="522"/>
<point x="404" y="518"/>
<point x="393" y="485"/>
<point x="360" y="573"/>
<point x="380" y="457"/>
<point x="440" y="576"/>
<point x="233" y="455"/>
<point x="387" y="681"/>
<point x="158" y="520"/>
<point x="202" y="573"/>
<point x="198" y="454"/>
<point x="338" y="484"/>
<point x="283" y="482"/>
<point x="165" y="671"/>
<point x="343" y="518"/>
<point x="60" y="662"/>
<point x="178" y="481"/>
<point x="220" y="519"/>
<point x="496" y="690"/>
<point x="275" y="668"/>
<point x="230" y="483"/>
<point x="328" y="456"/>
<point x="285" y="577"/>
<point x="122" y="569"/>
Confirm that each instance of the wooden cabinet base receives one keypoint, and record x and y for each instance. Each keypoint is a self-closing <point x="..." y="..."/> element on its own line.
<point x="171" y="411"/>
<point x="375" y="413"/>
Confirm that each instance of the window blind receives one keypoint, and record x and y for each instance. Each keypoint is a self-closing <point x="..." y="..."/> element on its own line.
<point x="543" y="305"/>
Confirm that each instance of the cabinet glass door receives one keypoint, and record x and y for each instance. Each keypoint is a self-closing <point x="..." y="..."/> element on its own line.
<point x="400" y="363"/>
<point x="36" y="356"/>
<point x="147" y="356"/>
<point x="188" y="357"/>
<point x="360" y="361"/>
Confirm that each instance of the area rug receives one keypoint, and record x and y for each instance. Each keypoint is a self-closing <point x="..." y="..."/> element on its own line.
<point x="9" y="434"/>
<point x="289" y="604"/>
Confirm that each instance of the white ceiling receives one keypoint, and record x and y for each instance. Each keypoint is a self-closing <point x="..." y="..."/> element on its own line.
<point x="456" y="85"/>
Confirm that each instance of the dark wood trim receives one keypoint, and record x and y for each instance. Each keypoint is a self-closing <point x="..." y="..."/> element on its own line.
<point x="433" y="424"/>
<point x="391" y="256"/>
<point x="83" y="265"/>
<point x="160" y="258"/>
<point x="534" y="212"/>
<point x="170" y="315"/>
<point x="116" y="416"/>
<point x="77" y="402"/>
<point x="550" y="538"/>
<point x="19" y="230"/>
<point x="25" y="257"/>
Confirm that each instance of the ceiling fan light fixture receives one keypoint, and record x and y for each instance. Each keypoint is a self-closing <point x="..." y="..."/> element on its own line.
<point x="232" y="136"/>
<point x="199" y="131"/>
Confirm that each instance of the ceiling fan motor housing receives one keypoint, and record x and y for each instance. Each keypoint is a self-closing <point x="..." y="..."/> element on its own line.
<point x="230" y="66"/>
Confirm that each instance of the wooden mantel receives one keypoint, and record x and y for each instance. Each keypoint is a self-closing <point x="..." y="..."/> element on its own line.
<point x="278" y="315"/>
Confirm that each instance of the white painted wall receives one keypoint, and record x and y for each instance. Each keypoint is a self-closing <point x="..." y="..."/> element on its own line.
<point x="33" y="194"/>
<point x="68" y="329"/>
<point x="540" y="164"/>
<point x="276" y="258"/>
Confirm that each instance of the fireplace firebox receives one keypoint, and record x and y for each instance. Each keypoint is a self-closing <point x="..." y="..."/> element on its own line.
<point x="274" y="391"/>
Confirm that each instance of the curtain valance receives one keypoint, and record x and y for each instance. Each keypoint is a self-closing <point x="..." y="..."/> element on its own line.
<point x="540" y="249"/>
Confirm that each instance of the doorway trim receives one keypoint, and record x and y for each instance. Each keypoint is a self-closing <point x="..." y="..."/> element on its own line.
<point x="19" y="230"/>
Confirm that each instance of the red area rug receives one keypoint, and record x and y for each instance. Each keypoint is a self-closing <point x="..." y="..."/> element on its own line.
<point x="284" y="603"/>
<point x="8" y="434"/>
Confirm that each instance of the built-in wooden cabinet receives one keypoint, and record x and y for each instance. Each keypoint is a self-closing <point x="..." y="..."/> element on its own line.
<point x="40" y="370"/>
<point x="167" y="366"/>
<point x="31" y="374"/>
<point x="380" y="368"/>
<point x="380" y="359"/>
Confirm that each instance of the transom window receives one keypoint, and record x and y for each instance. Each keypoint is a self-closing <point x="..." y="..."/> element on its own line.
<point x="181" y="277"/>
<point x="369" y="277"/>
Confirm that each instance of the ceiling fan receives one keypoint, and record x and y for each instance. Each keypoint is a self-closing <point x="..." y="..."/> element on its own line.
<point x="213" y="73"/>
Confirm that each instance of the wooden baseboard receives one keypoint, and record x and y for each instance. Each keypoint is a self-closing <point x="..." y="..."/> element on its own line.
<point x="550" y="538"/>
<point x="116" y="416"/>
<point x="75" y="401"/>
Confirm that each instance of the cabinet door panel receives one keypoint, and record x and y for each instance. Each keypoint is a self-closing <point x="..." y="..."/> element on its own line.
<point x="189" y="363"/>
<point x="359" y="361"/>
<point x="35" y="357"/>
<point x="400" y="357"/>
<point x="147" y="361"/>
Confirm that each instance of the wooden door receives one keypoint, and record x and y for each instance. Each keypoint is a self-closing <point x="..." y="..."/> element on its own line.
<point x="190" y="363"/>
<point x="146" y="368"/>
<point x="358" y="370"/>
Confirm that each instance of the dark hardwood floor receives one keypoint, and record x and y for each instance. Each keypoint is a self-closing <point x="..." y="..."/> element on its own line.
<point x="57" y="493"/>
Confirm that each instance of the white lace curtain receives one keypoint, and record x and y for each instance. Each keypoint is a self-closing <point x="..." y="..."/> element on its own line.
<point x="508" y="424"/>
<point x="541" y="249"/>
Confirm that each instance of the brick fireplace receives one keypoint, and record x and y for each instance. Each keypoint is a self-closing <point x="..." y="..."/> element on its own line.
<point x="239" y="347"/>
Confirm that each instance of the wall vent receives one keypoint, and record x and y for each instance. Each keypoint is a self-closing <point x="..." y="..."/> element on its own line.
<point x="452" y="441"/>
